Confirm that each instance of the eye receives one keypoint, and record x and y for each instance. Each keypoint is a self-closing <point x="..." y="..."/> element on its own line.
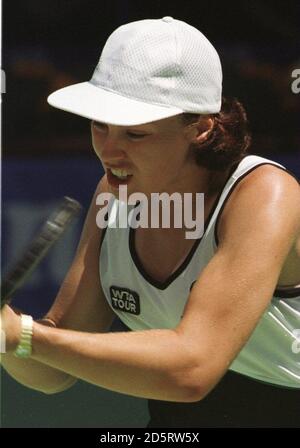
<point x="100" y="126"/>
<point x="135" y="136"/>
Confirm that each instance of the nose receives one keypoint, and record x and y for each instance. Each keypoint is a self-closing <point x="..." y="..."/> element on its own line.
<point x="111" y="149"/>
<point x="108" y="145"/>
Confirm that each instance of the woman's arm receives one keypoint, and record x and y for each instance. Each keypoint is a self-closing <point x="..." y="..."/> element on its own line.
<point x="259" y="226"/>
<point x="80" y="305"/>
<point x="30" y="373"/>
<point x="37" y="376"/>
<point x="185" y="363"/>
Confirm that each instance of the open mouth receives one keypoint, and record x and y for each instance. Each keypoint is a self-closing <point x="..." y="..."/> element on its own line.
<point x="118" y="177"/>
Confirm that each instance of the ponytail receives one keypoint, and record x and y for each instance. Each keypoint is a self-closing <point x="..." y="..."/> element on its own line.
<point x="229" y="139"/>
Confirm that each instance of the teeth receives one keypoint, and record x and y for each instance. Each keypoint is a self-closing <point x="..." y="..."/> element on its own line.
<point x="122" y="174"/>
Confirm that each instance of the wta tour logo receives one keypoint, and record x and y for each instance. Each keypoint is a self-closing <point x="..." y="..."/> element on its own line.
<point x="124" y="299"/>
<point x="161" y="211"/>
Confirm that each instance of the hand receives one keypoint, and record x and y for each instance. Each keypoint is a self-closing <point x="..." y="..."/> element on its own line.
<point x="10" y="326"/>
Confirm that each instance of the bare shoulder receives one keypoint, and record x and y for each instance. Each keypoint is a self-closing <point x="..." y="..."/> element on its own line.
<point x="270" y="180"/>
<point x="80" y="303"/>
<point x="102" y="185"/>
<point x="271" y="176"/>
<point x="90" y="228"/>
<point x="267" y="193"/>
<point x="256" y="232"/>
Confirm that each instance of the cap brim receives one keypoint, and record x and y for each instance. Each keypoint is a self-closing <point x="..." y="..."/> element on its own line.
<point x="89" y="101"/>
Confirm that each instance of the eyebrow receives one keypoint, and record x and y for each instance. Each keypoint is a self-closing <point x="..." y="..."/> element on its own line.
<point x="146" y="128"/>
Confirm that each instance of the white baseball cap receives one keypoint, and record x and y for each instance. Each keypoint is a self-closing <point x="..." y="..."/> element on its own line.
<point x="148" y="70"/>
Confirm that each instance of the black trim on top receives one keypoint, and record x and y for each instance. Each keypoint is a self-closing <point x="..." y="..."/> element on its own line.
<point x="102" y="236"/>
<point x="103" y="232"/>
<point x="287" y="293"/>
<point x="147" y="277"/>
<point x="280" y="292"/>
<point x="236" y="183"/>
<point x="163" y="285"/>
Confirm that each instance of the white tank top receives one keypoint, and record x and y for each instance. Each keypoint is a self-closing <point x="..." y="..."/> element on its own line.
<point x="272" y="354"/>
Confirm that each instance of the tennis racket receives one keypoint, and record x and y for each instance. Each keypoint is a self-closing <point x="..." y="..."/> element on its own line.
<point x="51" y="231"/>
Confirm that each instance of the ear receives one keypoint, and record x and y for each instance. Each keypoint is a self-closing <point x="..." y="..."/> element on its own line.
<point x="199" y="131"/>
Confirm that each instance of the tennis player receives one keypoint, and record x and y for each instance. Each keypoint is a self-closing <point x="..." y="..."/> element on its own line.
<point x="211" y="324"/>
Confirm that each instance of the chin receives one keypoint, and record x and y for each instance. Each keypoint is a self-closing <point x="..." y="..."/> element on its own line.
<point x="131" y="190"/>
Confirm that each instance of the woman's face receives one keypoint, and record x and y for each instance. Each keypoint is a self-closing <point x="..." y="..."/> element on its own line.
<point x="155" y="155"/>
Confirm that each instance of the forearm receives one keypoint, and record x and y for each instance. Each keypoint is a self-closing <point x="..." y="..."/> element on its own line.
<point x="143" y="364"/>
<point x="35" y="375"/>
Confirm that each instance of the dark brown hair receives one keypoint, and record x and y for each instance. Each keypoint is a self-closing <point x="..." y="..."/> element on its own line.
<point x="229" y="139"/>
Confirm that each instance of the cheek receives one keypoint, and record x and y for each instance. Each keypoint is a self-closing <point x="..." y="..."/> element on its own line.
<point x="96" y="142"/>
<point x="173" y="154"/>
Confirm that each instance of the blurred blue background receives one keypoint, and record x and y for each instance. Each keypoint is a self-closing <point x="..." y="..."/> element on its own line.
<point x="33" y="188"/>
<point x="47" y="153"/>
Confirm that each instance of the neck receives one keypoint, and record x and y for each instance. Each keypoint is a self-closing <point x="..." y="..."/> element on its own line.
<point x="201" y="180"/>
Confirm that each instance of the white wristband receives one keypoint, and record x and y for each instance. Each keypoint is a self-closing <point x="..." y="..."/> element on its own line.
<point x="24" y="348"/>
